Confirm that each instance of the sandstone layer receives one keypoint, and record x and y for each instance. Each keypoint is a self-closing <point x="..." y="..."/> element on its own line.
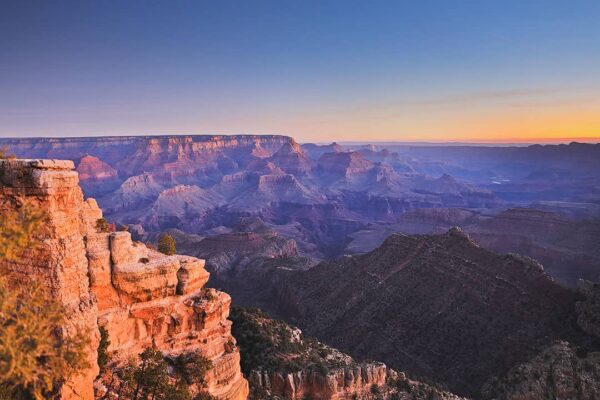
<point x="341" y="383"/>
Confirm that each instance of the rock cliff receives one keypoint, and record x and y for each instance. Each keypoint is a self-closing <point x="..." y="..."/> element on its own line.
<point x="282" y="363"/>
<point x="59" y="260"/>
<point x="588" y="310"/>
<point x="141" y="297"/>
<point x="561" y="371"/>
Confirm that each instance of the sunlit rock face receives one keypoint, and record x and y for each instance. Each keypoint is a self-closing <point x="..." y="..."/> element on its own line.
<point x="141" y="297"/>
<point x="342" y="383"/>
<point x="58" y="260"/>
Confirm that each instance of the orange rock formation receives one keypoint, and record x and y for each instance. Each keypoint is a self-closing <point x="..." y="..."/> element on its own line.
<point x="141" y="297"/>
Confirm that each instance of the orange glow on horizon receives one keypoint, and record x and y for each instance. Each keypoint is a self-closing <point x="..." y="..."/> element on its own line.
<point x="468" y="124"/>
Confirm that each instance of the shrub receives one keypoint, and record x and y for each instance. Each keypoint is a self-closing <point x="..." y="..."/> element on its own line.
<point x="123" y="228"/>
<point x="33" y="355"/>
<point x="102" y="225"/>
<point x="375" y="390"/>
<point x="192" y="367"/>
<point x="17" y="229"/>
<point x="207" y="294"/>
<point x="150" y="379"/>
<point x="229" y="346"/>
<point x="166" y="244"/>
<point x="144" y="260"/>
<point x="321" y="368"/>
<point x="103" y="357"/>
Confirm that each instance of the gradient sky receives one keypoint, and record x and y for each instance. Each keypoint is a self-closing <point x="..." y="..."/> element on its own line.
<point x="316" y="70"/>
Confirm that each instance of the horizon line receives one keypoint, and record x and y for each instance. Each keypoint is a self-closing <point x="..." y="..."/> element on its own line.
<point x="508" y="141"/>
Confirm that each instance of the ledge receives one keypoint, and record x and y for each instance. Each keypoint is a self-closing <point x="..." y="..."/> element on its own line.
<point x="47" y="164"/>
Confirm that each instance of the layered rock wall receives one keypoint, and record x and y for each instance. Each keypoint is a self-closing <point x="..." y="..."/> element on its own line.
<point x="141" y="297"/>
<point x="58" y="258"/>
<point x="342" y="383"/>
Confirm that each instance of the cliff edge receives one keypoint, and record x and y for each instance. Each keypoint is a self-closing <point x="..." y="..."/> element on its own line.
<point x="103" y="279"/>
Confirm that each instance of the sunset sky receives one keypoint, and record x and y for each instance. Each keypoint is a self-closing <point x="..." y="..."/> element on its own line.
<point x="316" y="70"/>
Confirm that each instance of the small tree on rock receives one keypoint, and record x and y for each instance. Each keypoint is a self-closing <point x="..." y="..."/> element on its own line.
<point x="102" y="225"/>
<point x="166" y="244"/>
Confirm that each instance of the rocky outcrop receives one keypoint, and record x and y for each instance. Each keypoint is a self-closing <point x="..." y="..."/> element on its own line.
<point x="341" y="383"/>
<point x="182" y="206"/>
<point x="588" y="310"/>
<point x="315" y="151"/>
<point x="149" y="152"/>
<point x="567" y="248"/>
<point x="136" y="191"/>
<point x="58" y="260"/>
<point x="292" y="159"/>
<point x="282" y="363"/>
<point x="227" y="254"/>
<point x="96" y="176"/>
<point x="558" y="372"/>
<point x="343" y="165"/>
<point x="141" y="297"/>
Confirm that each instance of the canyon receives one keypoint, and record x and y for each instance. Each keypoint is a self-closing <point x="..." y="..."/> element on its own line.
<point x="141" y="298"/>
<point x="340" y="199"/>
<point x="460" y="267"/>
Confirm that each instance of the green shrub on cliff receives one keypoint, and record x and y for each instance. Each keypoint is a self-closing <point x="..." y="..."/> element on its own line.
<point x="17" y="228"/>
<point x="103" y="356"/>
<point x="271" y="345"/>
<point x="149" y="378"/>
<point x="102" y="225"/>
<point x="34" y="356"/>
<point x="166" y="244"/>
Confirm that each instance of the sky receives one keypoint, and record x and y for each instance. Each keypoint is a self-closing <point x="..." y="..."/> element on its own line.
<point x="510" y="70"/>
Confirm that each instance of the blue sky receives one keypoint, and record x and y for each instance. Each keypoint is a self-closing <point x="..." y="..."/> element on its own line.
<point x="317" y="70"/>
